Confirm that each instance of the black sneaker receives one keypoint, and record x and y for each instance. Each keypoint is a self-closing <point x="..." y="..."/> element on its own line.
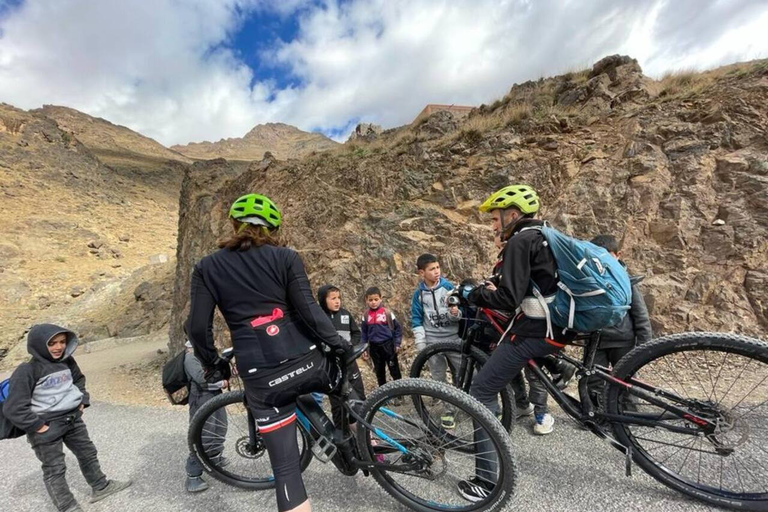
<point x="474" y="489"/>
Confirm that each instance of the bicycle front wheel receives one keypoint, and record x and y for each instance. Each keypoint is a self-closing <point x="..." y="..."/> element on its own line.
<point x="427" y="467"/>
<point x="442" y="362"/>
<point x="223" y="437"/>
<point x="720" y="377"/>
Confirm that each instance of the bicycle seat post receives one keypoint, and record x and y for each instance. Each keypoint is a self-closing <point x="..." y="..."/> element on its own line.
<point x="590" y="349"/>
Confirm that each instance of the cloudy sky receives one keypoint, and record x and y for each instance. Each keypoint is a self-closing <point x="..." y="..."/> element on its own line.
<point x="192" y="70"/>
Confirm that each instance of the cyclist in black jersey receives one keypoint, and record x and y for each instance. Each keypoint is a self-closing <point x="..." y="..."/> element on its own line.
<point x="278" y="330"/>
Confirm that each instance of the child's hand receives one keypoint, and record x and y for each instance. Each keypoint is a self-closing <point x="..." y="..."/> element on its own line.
<point x="43" y="429"/>
<point x="365" y="355"/>
<point x="490" y="286"/>
<point x="454" y="310"/>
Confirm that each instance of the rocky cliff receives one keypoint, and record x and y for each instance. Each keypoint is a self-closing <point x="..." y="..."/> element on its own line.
<point x="677" y="169"/>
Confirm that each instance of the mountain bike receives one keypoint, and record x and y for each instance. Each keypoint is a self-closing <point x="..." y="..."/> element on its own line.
<point x="690" y="409"/>
<point x="398" y="439"/>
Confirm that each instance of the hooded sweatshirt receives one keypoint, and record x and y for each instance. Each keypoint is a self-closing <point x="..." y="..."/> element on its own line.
<point x="45" y="388"/>
<point x="431" y="319"/>
<point x="634" y="328"/>
<point x="342" y="320"/>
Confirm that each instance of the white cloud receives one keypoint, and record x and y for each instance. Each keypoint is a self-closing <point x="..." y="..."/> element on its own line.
<point x="162" y="67"/>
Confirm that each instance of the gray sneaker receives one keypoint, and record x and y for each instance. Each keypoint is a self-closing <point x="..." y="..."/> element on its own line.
<point x="111" y="488"/>
<point x="524" y="411"/>
<point x="195" y="484"/>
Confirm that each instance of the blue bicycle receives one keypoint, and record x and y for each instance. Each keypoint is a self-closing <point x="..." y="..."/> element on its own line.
<point x="398" y="439"/>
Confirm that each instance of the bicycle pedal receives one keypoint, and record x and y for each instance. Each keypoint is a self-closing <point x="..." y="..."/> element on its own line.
<point x="324" y="449"/>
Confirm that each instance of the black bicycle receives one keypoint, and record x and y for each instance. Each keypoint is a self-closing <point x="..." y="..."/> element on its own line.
<point x="690" y="409"/>
<point x="399" y="440"/>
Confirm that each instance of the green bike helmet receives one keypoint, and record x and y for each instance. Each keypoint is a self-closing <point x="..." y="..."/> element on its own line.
<point x="523" y="197"/>
<point x="256" y="209"/>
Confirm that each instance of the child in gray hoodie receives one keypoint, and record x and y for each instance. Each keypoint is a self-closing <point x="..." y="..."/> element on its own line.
<point x="46" y="398"/>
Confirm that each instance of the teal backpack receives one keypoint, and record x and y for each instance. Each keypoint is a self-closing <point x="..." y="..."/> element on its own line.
<point x="594" y="290"/>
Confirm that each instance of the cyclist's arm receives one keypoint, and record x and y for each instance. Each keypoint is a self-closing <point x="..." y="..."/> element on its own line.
<point x="515" y="278"/>
<point x="300" y="297"/>
<point x="200" y="320"/>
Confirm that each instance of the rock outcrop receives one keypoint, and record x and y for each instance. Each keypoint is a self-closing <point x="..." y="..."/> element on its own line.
<point x="679" y="178"/>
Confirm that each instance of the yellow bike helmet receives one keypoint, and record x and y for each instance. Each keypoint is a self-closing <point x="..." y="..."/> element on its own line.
<point x="523" y="197"/>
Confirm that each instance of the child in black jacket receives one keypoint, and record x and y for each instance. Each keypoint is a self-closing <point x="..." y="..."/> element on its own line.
<point x="329" y="297"/>
<point x="46" y="399"/>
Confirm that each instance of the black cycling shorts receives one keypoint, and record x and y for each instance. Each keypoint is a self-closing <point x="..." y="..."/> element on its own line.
<point x="271" y="395"/>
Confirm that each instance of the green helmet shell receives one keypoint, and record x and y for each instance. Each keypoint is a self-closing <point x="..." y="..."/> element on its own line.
<point x="256" y="205"/>
<point x="522" y="197"/>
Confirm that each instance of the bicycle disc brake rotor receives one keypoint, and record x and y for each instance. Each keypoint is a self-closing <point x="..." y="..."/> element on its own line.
<point x="729" y="434"/>
<point x="245" y="449"/>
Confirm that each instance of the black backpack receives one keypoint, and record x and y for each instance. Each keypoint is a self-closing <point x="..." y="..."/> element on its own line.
<point x="175" y="380"/>
<point x="7" y="429"/>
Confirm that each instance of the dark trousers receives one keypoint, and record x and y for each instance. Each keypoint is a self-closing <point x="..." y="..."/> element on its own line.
<point x="521" y="394"/>
<point x="69" y="431"/>
<point x="384" y="356"/>
<point x="505" y="363"/>
<point x="215" y="427"/>
<point x="605" y="357"/>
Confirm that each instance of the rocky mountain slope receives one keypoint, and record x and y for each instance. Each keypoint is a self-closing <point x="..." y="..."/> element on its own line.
<point x="677" y="169"/>
<point x="77" y="230"/>
<point x="109" y="142"/>
<point x="282" y="140"/>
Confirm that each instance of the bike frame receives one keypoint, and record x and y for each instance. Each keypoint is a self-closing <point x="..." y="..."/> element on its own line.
<point x="582" y="410"/>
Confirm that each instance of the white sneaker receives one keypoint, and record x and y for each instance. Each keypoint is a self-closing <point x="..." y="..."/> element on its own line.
<point x="523" y="411"/>
<point x="545" y="424"/>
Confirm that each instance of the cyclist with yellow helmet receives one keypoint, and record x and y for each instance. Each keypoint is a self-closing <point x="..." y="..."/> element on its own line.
<point x="262" y="290"/>
<point x="525" y="259"/>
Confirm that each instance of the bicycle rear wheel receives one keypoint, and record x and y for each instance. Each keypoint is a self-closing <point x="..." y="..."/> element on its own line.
<point x="448" y="355"/>
<point x="717" y="376"/>
<point x="223" y="437"/>
<point x="420" y="463"/>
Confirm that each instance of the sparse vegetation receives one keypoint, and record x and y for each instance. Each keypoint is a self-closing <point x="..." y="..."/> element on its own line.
<point x="682" y="82"/>
<point x="516" y="113"/>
